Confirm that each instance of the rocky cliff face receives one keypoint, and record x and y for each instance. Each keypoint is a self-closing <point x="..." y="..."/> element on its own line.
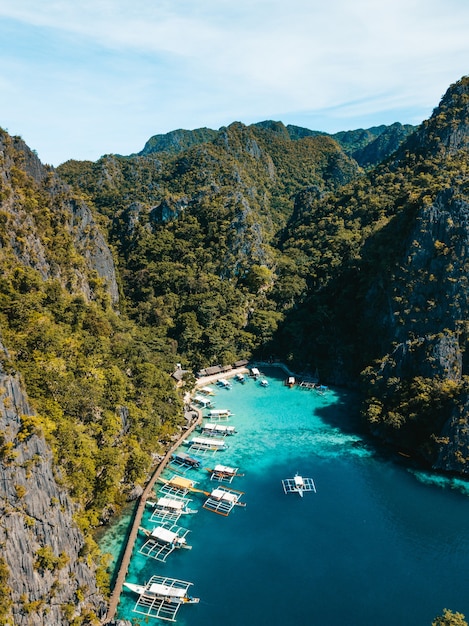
<point x="50" y="580"/>
<point x="421" y="382"/>
<point x="36" y="207"/>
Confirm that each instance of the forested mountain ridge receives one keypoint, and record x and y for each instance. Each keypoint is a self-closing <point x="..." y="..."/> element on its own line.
<point x="99" y="393"/>
<point x="246" y="241"/>
<point x="196" y="233"/>
<point x="367" y="146"/>
<point x="397" y="304"/>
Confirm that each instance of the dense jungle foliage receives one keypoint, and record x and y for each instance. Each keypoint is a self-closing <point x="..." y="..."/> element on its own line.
<point x="247" y="241"/>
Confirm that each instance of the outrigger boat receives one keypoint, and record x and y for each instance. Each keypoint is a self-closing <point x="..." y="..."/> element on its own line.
<point x="202" y="401"/>
<point x="167" y="509"/>
<point x="185" y="460"/>
<point x="162" y="541"/>
<point x="222" y="501"/>
<point x="219" y="414"/>
<point x="217" y="429"/>
<point x="223" y="473"/>
<point x="264" y="382"/>
<point x="207" y="444"/>
<point x="241" y="378"/>
<point x="290" y="382"/>
<point x="161" y="597"/>
<point x="177" y="486"/>
<point x="207" y="391"/>
<point x="222" y="382"/>
<point x="298" y="484"/>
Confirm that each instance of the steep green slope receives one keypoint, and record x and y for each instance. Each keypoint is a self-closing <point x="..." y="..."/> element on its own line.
<point x="386" y="262"/>
<point x="98" y="384"/>
<point x="196" y="233"/>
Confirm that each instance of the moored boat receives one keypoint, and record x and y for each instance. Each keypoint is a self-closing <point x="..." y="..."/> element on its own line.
<point x="209" y="444"/>
<point x="218" y="429"/>
<point x="223" y="473"/>
<point x="219" y="414"/>
<point x="161" y="597"/>
<point x="185" y="460"/>
<point x="298" y="484"/>
<point x="222" y="500"/>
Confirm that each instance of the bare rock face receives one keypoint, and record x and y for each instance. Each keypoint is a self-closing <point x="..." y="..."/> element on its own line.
<point x="50" y="578"/>
<point x="35" y="206"/>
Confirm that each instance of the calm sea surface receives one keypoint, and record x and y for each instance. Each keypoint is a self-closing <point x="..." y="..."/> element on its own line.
<point x="377" y="545"/>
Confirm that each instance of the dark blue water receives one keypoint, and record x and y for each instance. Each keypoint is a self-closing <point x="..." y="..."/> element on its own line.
<point x="376" y="545"/>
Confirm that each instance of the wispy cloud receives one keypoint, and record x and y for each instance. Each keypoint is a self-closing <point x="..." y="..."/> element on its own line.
<point x="86" y="78"/>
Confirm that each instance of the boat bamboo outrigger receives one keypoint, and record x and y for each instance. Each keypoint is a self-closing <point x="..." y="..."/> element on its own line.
<point x="223" y="382"/>
<point x="298" y="484"/>
<point x="161" y="597"/>
<point x="222" y="500"/>
<point x="223" y="473"/>
<point x="214" y="430"/>
<point x="241" y="378"/>
<point x="161" y="541"/>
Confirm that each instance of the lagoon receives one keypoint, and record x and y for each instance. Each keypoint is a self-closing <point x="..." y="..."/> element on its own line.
<point x="378" y="544"/>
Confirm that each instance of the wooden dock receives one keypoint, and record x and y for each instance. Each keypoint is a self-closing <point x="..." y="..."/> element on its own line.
<point x="124" y="566"/>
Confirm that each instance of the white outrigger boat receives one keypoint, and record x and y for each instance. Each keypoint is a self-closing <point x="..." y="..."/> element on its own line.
<point x="161" y="541"/>
<point x="223" y="473"/>
<point x="202" y="401"/>
<point x="241" y="378"/>
<point x="223" y="382"/>
<point x="212" y="430"/>
<point x="298" y="484"/>
<point x="207" y="391"/>
<point x="264" y="382"/>
<point x="207" y="444"/>
<point x="222" y="500"/>
<point x="168" y="509"/>
<point x="161" y="597"/>
<point x="219" y="414"/>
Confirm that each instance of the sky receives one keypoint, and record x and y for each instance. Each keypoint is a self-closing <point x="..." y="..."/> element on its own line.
<point x="83" y="78"/>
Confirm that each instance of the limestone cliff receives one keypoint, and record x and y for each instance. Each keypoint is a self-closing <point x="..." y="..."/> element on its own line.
<point x="418" y="313"/>
<point x="38" y="211"/>
<point x="50" y="580"/>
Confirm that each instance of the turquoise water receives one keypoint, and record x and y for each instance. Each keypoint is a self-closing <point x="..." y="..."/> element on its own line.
<point x="377" y="545"/>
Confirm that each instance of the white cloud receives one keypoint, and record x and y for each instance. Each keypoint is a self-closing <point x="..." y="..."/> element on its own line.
<point x="112" y="73"/>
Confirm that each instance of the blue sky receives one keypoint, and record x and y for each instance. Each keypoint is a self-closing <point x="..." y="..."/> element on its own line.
<point x="83" y="78"/>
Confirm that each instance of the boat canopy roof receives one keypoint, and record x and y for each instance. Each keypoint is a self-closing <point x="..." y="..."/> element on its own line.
<point x="209" y="441"/>
<point x="171" y="503"/>
<point x="164" y="534"/>
<point x="163" y="590"/>
<point x="255" y="371"/>
<point x="224" y="468"/>
<point x="181" y="482"/>
<point x="221" y="494"/>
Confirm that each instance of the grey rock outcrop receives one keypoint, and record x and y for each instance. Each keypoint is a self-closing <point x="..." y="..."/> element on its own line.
<point x="50" y="577"/>
<point x="33" y="194"/>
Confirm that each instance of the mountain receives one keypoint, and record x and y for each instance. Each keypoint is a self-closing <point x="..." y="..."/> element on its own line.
<point x="345" y="253"/>
<point x="86" y="398"/>
<point x="367" y="146"/>
<point x="396" y="304"/>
